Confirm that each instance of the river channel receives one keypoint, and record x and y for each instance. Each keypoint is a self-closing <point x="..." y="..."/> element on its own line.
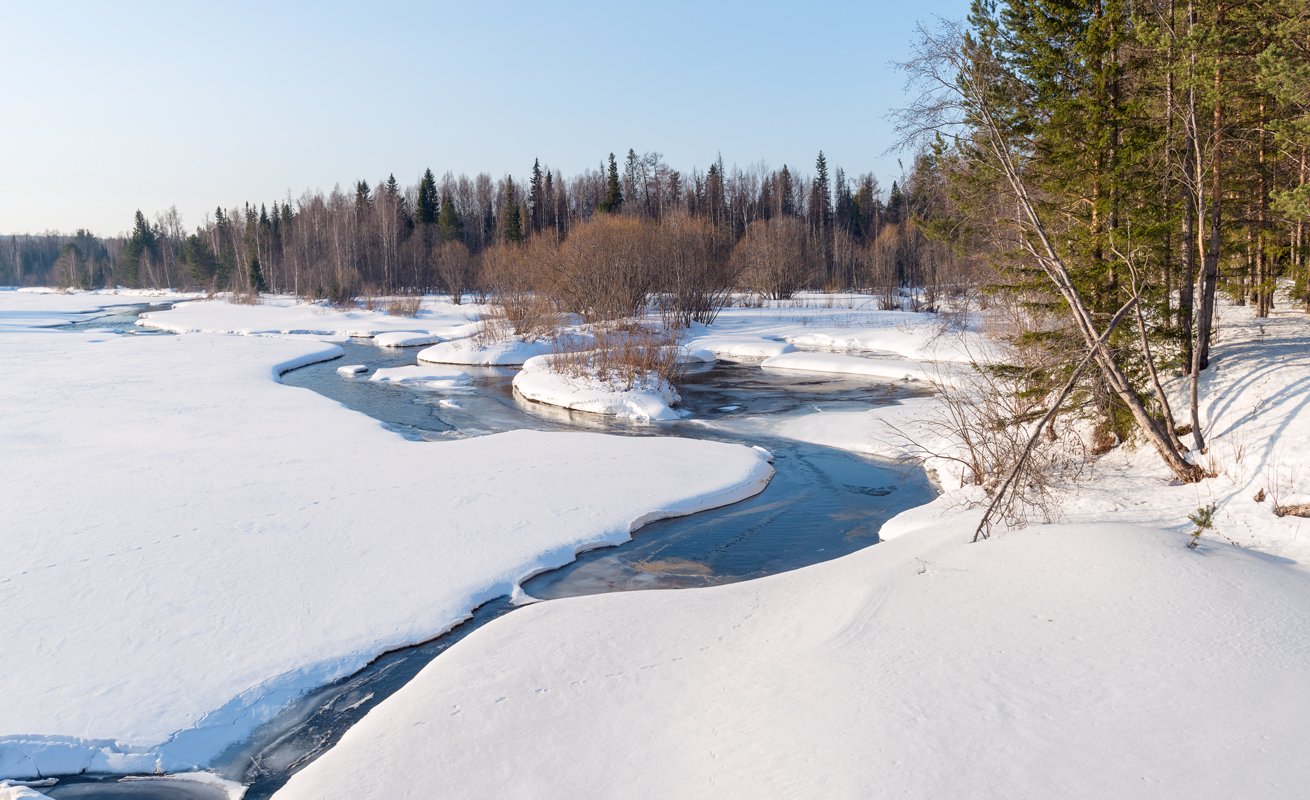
<point x="822" y="503"/>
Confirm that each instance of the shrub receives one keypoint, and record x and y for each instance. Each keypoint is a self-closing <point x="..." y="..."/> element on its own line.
<point x="404" y="306"/>
<point x="623" y="356"/>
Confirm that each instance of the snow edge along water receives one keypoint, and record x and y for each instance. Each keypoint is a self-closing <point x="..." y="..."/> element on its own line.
<point x="36" y="756"/>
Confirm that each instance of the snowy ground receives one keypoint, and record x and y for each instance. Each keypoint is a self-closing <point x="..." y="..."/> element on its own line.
<point x="1097" y="657"/>
<point x="39" y="308"/>
<point x="188" y="544"/>
<point x="839" y="323"/>
<point x="437" y="320"/>
<point x="646" y="399"/>
<point x="472" y="352"/>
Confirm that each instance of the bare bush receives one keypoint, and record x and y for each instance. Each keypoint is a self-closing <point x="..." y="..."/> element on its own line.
<point x="605" y="269"/>
<point x="512" y="271"/>
<point x="455" y="268"/>
<point x="775" y="257"/>
<point x="625" y="356"/>
<point x="404" y="305"/>
<point x="694" y="270"/>
<point x="985" y="424"/>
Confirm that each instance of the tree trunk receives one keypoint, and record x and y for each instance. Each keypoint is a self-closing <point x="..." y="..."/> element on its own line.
<point x="1053" y="265"/>
<point x="1210" y="277"/>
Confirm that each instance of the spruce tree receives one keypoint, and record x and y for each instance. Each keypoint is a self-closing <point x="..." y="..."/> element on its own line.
<point x="786" y="192"/>
<point x="536" y="198"/>
<point x="450" y="228"/>
<point x="141" y="244"/>
<point x="821" y="197"/>
<point x="895" y="204"/>
<point x="513" y="226"/>
<point x="821" y="215"/>
<point x="257" y="284"/>
<point x="613" y="200"/>
<point x="425" y="205"/>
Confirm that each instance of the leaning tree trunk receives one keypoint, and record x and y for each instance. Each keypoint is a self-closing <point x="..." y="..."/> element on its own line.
<point x="1054" y="267"/>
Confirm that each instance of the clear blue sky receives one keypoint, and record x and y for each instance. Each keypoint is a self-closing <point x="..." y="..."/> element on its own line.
<point x="110" y="107"/>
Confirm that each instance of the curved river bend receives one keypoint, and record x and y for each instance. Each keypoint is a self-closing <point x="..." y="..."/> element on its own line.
<point x="821" y="504"/>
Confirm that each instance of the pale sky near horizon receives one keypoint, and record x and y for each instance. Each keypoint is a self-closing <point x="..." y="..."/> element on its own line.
<point x="110" y="107"/>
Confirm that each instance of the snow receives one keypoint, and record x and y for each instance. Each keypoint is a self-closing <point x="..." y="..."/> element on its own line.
<point x="1067" y="661"/>
<point x="436" y="320"/>
<point x="427" y="376"/>
<point x="730" y="349"/>
<point x="1098" y="656"/>
<point x="645" y="400"/>
<point x="1094" y="657"/>
<point x="473" y="352"/>
<point x="9" y="791"/>
<point x="843" y="323"/>
<point x="696" y="355"/>
<point x="404" y="339"/>
<point x="189" y="544"/>
<point x="352" y="369"/>
<point x="916" y="342"/>
<point x="42" y="307"/>
<point x="849" y="365"/>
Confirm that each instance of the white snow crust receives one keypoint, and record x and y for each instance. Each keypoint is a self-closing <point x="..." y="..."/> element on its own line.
<point x="43" y="307"/>
<point x="428" y="376"/>
<point x="1094" y="657"/>
<point x="189" y="544"/>
<point x="646" y="400"/>
<point x="472" y="352"/>
<point x="15" y="791"/>
<point x="894" y="369"/>
<point x="436" y="320"/>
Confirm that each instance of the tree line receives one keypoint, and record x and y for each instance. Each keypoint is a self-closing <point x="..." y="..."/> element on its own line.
<point x="819" y="230"/>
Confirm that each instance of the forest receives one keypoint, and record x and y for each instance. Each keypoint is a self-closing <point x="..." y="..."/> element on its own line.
<point x="787" y="230"/>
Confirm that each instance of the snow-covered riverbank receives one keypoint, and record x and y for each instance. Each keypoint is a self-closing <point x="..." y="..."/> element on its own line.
<point x="1093" y="657"/>
<point x="189" y="544"/>
<point x="435" y="321"/>
<point x="1096" y="657"/>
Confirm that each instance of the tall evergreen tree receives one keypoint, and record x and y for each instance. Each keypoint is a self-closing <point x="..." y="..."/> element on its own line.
<point x="450" y="228"/>
<point x="786" y="192"/>
<point x="821" y="197"/>
<point x="536" y="198"/>
<point x="256" y="276"/>
<point x="513" y="220"/>
<point x="613" y="200"/>
<point x="425" y="204"/>
<point x="139" y="246"/>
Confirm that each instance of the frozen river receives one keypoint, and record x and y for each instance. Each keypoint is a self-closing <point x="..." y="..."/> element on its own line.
<point x="821" y="504"/>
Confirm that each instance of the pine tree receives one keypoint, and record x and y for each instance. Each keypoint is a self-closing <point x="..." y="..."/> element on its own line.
<point x="613" y="200"/>
<point x="821" y="198"/>
<point x="200" y="261"/>
<point x="450" y="228"/>
<point x="513" y="228"/>
<point x="631" y="166"/>
<point x="536" y="198"/>
<point x="257" y="284"/>
<point x="140" y="245"/>
<point x="425" y="205"/>
<point x="786" y="192"/>
<point x="1284" y="69"/>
